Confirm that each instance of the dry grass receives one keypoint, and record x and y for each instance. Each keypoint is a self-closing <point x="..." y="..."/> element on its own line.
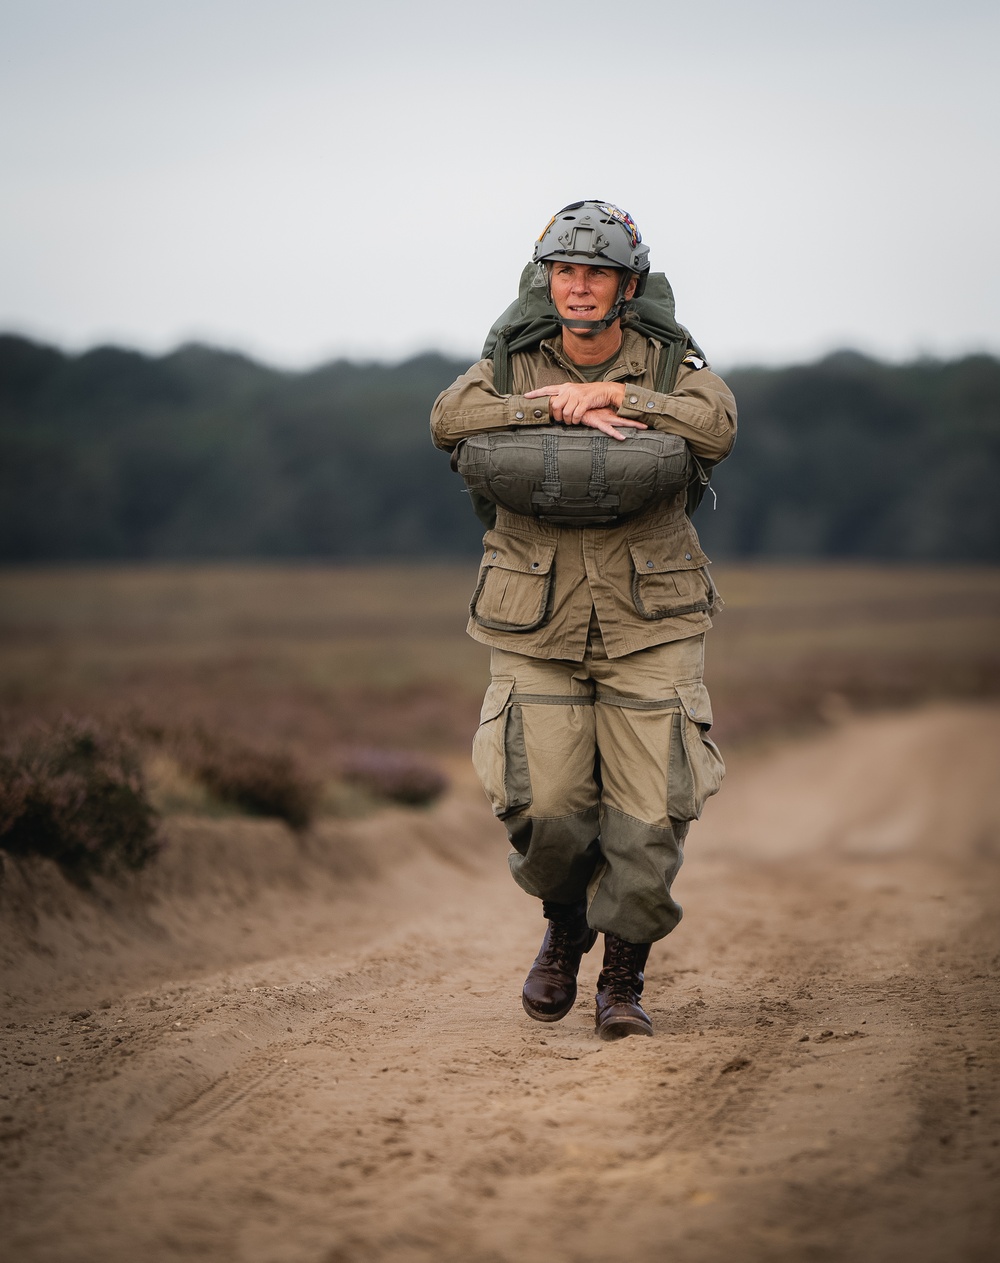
<point x="801" y="644"/>
<point x="310" y="664"/>
<point x="314" y="658"/>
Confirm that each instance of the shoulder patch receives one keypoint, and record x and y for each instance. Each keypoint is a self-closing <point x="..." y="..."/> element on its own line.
<point x="695" y="361"/>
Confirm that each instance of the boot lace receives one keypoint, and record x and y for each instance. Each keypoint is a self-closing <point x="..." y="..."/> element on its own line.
<point x="619" y="985"/>
<point x="564" y="944"/>
<point x="620" y="976"/>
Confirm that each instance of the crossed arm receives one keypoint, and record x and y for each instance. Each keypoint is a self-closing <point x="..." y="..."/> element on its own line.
<point x="594" y="404"/>
<point x="700" y="408"/>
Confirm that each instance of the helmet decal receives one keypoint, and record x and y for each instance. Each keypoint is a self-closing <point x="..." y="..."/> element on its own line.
<point x="546" y="228"/>
<point x="623" y="218"/>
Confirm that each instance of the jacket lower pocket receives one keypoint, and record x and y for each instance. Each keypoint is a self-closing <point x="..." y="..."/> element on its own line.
<point x="670" y="575"/>
<point x="515" y="584"/>
<point x="499" y="754"/>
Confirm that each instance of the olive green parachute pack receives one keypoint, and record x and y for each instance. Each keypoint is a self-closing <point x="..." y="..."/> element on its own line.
<point x="557" y="473"/>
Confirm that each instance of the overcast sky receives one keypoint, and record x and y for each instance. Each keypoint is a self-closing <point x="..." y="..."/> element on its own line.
<point x="300" y="181"/>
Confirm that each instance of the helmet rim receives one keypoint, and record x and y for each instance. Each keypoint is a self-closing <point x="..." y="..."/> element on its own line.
<point x="593" y="230"/>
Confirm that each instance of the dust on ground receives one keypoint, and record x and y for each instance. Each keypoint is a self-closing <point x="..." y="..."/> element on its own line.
<point x="278" y="1051"/>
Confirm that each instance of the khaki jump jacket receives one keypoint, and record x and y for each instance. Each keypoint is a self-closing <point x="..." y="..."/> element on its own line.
<point x="646" y="580"/>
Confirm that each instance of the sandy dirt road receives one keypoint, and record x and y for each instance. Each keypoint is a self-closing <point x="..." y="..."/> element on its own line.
<point x="278" y="1055"/>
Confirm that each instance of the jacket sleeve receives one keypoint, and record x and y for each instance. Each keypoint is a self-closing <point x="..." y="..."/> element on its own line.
<point x="700" y="408"/>
<point x="471" y="405"/>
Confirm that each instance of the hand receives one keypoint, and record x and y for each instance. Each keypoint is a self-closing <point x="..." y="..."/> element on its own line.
<point x="588" y="403"/>
<point x="571" y="401"/>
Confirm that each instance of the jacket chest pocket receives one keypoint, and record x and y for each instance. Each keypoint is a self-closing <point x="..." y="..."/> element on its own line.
<point x="670" y="577"/>
<point x="514" y="593"/>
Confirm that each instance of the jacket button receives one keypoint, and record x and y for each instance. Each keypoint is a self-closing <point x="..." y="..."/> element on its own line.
<point x="494" y="557"/>
<point x="633" y="399"/>
<point x="687" y="556"/>
<point x="538" y="412"/>
<point x="650" y="404"/>
<point x="519" y="416"/>
<point x="649" y="565"/>
<point x="534" y="565"/>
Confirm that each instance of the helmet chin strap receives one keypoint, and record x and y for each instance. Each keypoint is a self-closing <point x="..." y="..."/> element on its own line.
<point x="589" y="327"/>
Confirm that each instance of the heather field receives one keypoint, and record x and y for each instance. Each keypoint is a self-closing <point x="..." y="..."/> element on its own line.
<point x="302" y="692"/>
<point x="315" y="657"/>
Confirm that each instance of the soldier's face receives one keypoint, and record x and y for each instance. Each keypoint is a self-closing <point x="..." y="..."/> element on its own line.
<point x="584" y="292"/>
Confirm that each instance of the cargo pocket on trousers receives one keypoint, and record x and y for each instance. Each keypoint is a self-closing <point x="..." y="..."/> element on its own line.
<point x="670" y="577"/>
<point x="499" y="754"/>
<point x="696" y="768"/>
<point x="515" y="583"/>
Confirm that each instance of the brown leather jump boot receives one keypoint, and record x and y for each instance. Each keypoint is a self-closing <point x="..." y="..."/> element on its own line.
<point x="550" y="988"/>
<point x="619" y="987"/>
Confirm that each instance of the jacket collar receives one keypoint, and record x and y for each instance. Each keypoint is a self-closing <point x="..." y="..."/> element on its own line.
<point x="630" y="362"/>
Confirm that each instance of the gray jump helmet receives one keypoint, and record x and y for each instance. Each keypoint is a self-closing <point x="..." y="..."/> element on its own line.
<point x="595" y="232"/>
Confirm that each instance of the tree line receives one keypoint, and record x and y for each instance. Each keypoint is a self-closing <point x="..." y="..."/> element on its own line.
<point x="206" y="454"/>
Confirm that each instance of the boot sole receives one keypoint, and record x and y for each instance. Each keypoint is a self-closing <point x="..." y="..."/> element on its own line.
<point x="622" y="1027"/>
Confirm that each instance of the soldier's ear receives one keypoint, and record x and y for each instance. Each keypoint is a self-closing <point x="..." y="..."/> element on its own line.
<point x="630" y="287"/>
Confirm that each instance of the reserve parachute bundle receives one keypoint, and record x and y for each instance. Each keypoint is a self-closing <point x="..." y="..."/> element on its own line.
<point x="572" y="477"/>
<point x="562" y="474"/>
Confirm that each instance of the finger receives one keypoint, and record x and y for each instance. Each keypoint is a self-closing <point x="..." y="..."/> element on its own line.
<point x="605" y="427"/>
<point x="542" y="390"/>
<point x="611" y="423"/>
<point x="573" y="407"/>
<point x="613" y="418"/>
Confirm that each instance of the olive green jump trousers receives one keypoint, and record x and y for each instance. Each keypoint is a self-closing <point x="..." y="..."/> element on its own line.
<point x="596" y="768"/>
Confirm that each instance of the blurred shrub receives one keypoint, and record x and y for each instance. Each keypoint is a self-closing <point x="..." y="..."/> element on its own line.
<point x="260" y="782"/>
<point x="174" y="790"/>
<point x="396" y="775"/>
<point x="74" y="793"/>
